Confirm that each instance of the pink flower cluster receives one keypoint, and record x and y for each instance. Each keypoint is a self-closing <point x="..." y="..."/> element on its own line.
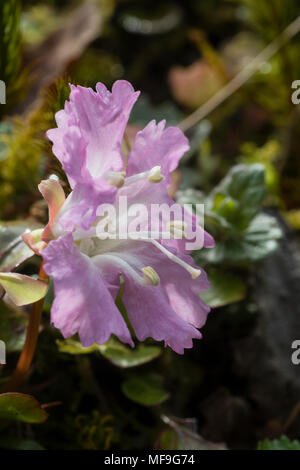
<point x="161" y="284"/>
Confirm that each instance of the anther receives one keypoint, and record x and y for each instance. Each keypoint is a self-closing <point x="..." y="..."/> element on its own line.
<point x="150" y="276"/>
<point x="154" y="175"/>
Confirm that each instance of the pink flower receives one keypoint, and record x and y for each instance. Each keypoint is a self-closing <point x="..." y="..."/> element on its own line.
<point x="161" y="282"/>
<point x="87" y="142"/>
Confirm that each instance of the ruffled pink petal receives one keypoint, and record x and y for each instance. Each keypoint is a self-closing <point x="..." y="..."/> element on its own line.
<point x="70" y="148"/>
<point x="152" y="316"/>
<point x="155" y="145"/>
<point x="183" y="292"/>
<point x="148" y="194"/>
<point x="176" y="296"/>
<point x="90" y="130"/>
<point x="80" y="208"/>
<point x="83" y="303"/>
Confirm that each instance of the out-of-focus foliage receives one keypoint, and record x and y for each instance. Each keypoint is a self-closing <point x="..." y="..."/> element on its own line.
<point x="225" y="288"/>
<point x="37" y="23"/>
<point x="145" y="389"/>
<point x="267" y="156"/>
<point x="116" y="352"/>
<point x="13" y="324"/>
<point x="10" y="45"/>
<point x="284" y="443"/>
<point x="293" y="218"/>
<point x="233" y="213"/>
<point x="182" y="435"/>
<point x="20" y="407"/>
<point x="258" y="14"/>
<point x="24" y="149"/>
<point x="268" y="20"/>
<point x="15" y="443"/>
<point x="96" y="431"/>
<point x="13" y="250"/>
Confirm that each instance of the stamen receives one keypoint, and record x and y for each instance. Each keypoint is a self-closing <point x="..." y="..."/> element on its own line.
<point x="153" y="176"/>
<point x="150" y="275"/>
<point x="193" y="272"/>
<point x="103" y="260"/>
<point x="116" y="178"/>
<point x="150" y="234"/>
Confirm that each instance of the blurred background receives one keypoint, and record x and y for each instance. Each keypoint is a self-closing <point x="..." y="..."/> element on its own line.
<point x="225" y="72"/>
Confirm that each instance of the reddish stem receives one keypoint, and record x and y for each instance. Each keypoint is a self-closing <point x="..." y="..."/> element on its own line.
<point x="28" y="350"/>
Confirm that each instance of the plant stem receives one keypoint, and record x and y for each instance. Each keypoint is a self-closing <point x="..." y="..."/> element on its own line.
<point x="28" y="350"/>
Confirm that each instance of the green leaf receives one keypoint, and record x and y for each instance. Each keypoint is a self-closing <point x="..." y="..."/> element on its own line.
<point x="182" y="435"/>
<point x="240" y="194"/>
<point x="116" y="352"/>
<point x="122" y="356"/>
<point x="16" y="256"/>
<point x="21" y="289"/>
<point x="15" y="443"/>
<point x="243" y="180"/>
<point x="225" y="288"/>
<point x="13" y="251"/>
<point x="20" y="407"/>
<point x="71" y="346"/>
<point x="267" y="156"/>
<point x="13" y="323"/>
<point x="145" y="390"/>
<point x="284" y="443"/>
<point x="259" y="240"/>
<point x="234" y="217"/>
